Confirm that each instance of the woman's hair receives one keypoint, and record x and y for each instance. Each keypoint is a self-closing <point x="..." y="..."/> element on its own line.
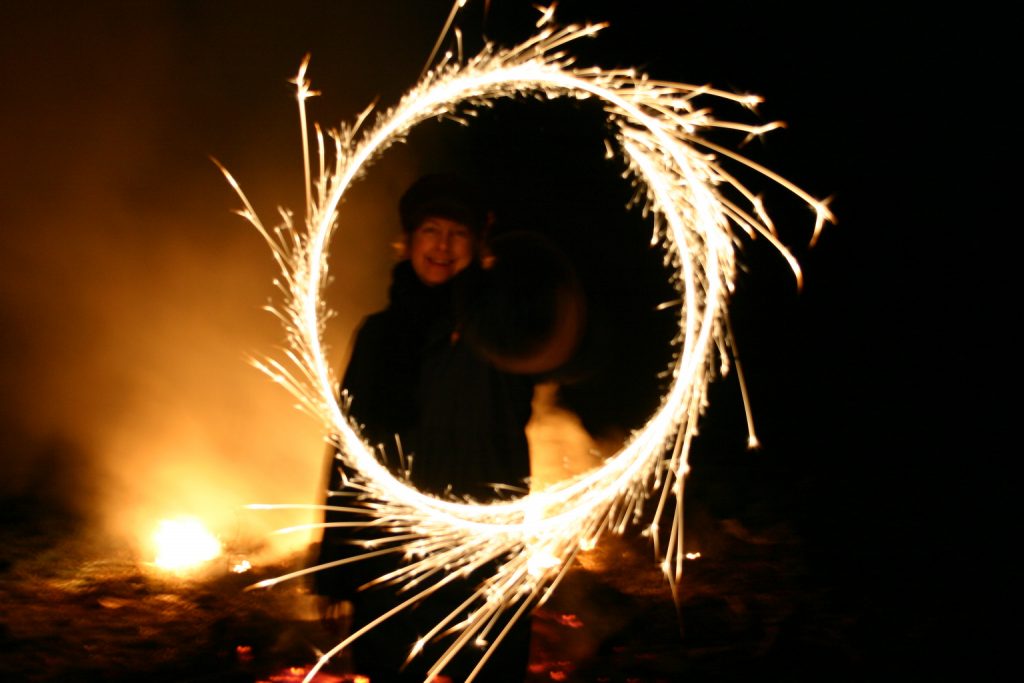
<point x="444" y="195"/>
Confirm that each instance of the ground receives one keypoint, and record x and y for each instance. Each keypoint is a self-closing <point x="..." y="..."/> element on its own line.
<point x="77" y="608"/>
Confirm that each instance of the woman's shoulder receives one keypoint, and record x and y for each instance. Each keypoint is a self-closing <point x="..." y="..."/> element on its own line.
<point x="375" y="325"/>
<point x="394" y="327"/>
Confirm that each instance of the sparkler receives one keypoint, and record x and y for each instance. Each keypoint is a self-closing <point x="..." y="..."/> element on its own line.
<point x="684" y="187"/>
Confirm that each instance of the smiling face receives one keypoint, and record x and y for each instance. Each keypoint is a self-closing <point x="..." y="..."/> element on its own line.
<point x="439" y="248"/>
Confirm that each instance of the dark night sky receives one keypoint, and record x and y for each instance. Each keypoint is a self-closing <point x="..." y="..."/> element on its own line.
<point x="130" y="296"/>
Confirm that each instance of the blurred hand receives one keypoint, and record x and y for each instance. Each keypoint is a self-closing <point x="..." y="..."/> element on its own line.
<point x="526" y="312"/>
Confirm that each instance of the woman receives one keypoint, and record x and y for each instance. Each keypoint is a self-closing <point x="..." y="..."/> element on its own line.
<point x="449" y="368"/>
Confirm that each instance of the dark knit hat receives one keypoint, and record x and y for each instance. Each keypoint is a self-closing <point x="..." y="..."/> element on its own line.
<point x="443" y="195"/>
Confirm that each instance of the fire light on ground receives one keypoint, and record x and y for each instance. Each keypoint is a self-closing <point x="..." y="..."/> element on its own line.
<point x="295" y="674"/>
<point x="183" y="544"/>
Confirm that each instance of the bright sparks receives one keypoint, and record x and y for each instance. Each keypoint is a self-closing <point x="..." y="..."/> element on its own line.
<point x="183" y="544"/>
<point x="699" y="212"/>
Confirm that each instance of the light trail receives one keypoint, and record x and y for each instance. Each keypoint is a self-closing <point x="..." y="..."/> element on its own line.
<point x="686" y="192"/>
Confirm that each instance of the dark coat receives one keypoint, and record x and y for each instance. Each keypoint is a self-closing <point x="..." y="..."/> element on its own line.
<point x="412" y="374"/>
<point x="459" y="421"/>
<point x="461" y="424"/>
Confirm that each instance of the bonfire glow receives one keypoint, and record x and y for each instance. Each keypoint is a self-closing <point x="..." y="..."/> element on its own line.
<point x="183" y="544"/>
<point x="241" y="567"/>
<point x="699" y="211"/>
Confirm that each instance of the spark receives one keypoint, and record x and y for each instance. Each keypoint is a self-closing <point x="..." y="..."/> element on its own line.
<point x="547" y="14"/>
<point x="697" y="210"/>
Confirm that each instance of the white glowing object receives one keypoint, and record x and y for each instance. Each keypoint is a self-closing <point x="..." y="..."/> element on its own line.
<point x="680" y="178"/>
<point x="183" y="544"/>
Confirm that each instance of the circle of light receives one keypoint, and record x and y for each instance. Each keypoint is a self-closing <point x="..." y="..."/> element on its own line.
<point x="565" y="506"/>
<point x="679" y="180"/>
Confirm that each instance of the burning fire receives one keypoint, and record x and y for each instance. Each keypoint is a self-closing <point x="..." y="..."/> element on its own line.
<point x="183" y="544"/>
<point x="241" y="567"/>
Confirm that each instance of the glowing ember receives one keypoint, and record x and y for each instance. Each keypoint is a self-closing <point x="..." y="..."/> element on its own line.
<point x="183" y="544"/>
<point x="570" y="620"/>
<point x="241" y="567"/>
<point x="295" y="674"/>
<point x="700" y="212"/>
<point x="693" y="556"/>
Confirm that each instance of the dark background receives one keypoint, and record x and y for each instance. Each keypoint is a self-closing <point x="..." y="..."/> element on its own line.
<point x="128" y="293"/>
